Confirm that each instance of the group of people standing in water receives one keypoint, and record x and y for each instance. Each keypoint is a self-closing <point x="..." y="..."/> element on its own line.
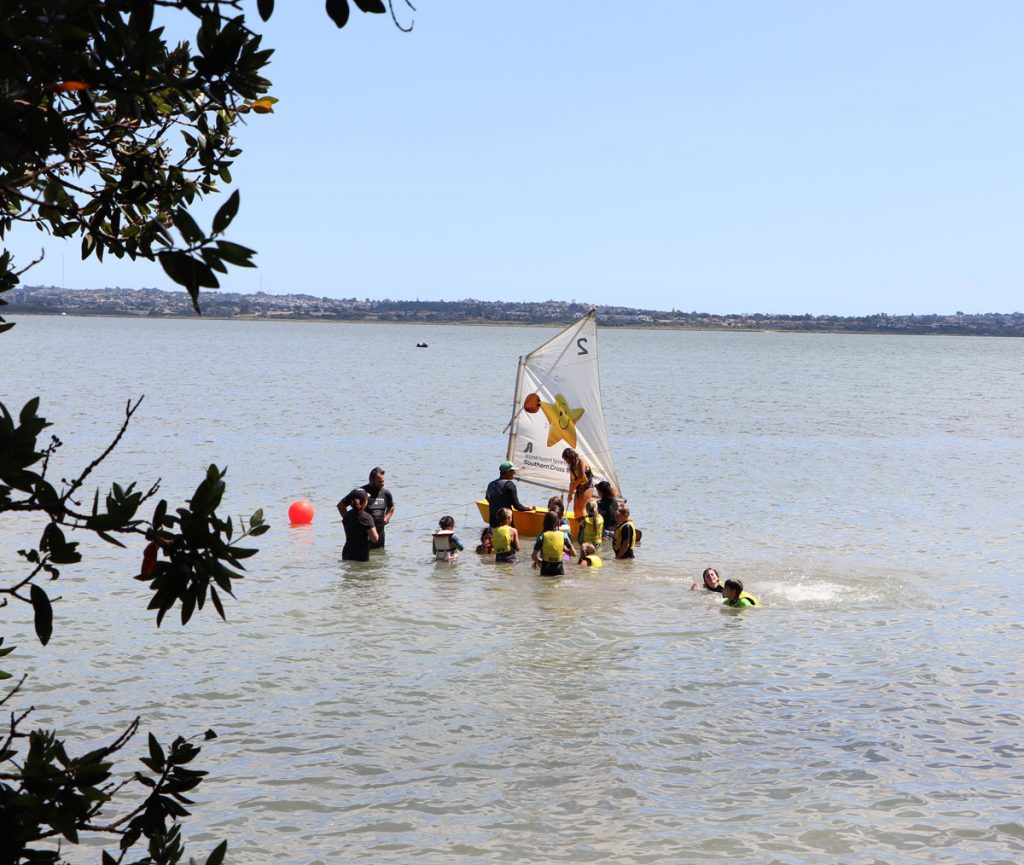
<point x="604" y="517"/>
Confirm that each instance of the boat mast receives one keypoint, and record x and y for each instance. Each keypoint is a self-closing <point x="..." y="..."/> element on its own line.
<point x="516" y="399"/>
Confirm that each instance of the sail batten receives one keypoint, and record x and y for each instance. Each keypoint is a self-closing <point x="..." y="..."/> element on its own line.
<point x="557" y="404"/>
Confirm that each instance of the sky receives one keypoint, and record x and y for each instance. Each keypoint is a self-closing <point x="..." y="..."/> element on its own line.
<point x="723" y="156"/>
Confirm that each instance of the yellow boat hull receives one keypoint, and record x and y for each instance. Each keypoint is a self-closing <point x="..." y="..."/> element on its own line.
<point x="528" y="523"/>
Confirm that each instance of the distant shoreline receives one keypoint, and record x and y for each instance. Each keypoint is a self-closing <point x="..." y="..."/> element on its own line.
<point x="10" y="315"/>
<point x="227" y="306"/>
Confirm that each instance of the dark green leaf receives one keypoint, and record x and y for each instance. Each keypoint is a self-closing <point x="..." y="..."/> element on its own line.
<point x="376" y="6"/>
<point x="184" y="222"/>
<point x="235" y="254"/>
<point x="226" y="213"/>
<point x="338" y="10"/>
<point x="43" y="613"/>
<point x="156" y="753"/>
<point x="217" y="856"/>
<point x="266" y="8"/>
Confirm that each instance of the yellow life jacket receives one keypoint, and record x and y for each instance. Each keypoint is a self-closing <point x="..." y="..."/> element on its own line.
<point x="502" y="539"/>
<point x="552" y="546"/>
<point x="743" y="596"/>
<point x="618" y="534"/>
<point x="595" y="561"/>
<point x="591" y="530"/>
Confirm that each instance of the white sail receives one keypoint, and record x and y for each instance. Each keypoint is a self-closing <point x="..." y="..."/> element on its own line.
<point x="558" y="405"/>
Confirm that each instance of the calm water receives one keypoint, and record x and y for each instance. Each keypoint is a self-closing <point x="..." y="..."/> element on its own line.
<point x="867" y="489"/>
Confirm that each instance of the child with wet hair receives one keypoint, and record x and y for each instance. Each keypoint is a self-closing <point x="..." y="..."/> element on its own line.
<point x="734" y="595"/>
<point x="588" y="555"/>
<point x="447" y="544"/>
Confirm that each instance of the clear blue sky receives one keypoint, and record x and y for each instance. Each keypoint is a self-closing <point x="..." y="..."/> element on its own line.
<point x="726" y="157"/>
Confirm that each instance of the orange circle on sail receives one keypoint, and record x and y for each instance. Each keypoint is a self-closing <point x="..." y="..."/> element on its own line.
<point x="532" y="403"/>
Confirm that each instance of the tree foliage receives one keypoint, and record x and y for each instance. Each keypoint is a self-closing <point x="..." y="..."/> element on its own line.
<point x="110" y="134"/>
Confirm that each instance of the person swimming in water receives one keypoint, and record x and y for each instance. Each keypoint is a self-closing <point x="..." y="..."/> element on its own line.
<point x="711" y="581"/>
<point x="734" y="595"/>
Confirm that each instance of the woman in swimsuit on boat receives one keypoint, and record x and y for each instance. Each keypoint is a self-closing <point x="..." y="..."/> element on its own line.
<point x="581" y="481"/>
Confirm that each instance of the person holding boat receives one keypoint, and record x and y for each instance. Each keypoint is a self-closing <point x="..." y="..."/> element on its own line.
<point x="502" y="493"/>
<point x="625" y="536"/>
<point x="581" y="481"/>
<point x="551" y="545"/>
<point x="607" y="504"/>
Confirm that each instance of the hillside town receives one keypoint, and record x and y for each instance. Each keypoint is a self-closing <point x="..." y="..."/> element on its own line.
<point x="153" y="302"/>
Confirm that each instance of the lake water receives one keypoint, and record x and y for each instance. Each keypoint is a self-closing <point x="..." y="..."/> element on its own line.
<point x="866" y="488"/>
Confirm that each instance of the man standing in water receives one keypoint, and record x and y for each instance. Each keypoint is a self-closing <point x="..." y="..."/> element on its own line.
<point x="360" y="531"/>
<point x="381" y="505"/>
<point x="502" y="493"/>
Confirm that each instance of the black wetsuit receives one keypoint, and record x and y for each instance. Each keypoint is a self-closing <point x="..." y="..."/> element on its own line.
<point x="381" y="501"/>
<point x="357" y="535"/>
<point x="502" y="493"/>
<point x="607" y="507"/>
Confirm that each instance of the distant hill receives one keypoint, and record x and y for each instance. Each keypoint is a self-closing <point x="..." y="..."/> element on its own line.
<point x="154" y="302"/>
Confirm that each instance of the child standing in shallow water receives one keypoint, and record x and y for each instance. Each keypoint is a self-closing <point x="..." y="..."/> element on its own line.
<point x="591" y="525"/>
<point x="446" y="543"/>
<point x="550" y="546"/>
<point x="506" y="538"/>
<point x="589" y="557"/>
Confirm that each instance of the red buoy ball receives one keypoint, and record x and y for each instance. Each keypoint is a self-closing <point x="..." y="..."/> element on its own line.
<point x="301" y="512"/>
<point x="532" y="403"/>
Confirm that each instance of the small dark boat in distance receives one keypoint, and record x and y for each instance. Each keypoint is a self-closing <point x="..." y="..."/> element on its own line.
<point x="421" y="345"/>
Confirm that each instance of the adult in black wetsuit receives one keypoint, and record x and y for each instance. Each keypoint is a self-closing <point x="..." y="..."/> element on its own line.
<point x="607" y="504"/>
<point x="381" y="504"/>
<point x="502" y="493"/>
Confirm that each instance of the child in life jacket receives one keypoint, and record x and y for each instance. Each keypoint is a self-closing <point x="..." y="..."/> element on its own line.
<point x="591" y="525"/>
<point x="626" y="535"/>
<point x="506" y="537"/>
<point x="734" y="595"/>
<point x="551" y="544"/>
<point x="588" y="555"/>
<point x="446" y="543"/>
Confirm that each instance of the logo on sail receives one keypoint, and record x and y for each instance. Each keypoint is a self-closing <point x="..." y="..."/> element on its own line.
<point x="562" y="420"/>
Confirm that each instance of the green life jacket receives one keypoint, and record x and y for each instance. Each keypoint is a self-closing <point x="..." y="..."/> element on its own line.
<point x="750" y="599"/>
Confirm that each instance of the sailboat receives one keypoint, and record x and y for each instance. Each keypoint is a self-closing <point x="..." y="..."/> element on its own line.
<point x="557" y="404"/>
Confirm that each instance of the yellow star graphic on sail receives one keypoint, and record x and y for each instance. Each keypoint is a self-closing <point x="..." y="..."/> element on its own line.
<point x="562" y="420"/>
